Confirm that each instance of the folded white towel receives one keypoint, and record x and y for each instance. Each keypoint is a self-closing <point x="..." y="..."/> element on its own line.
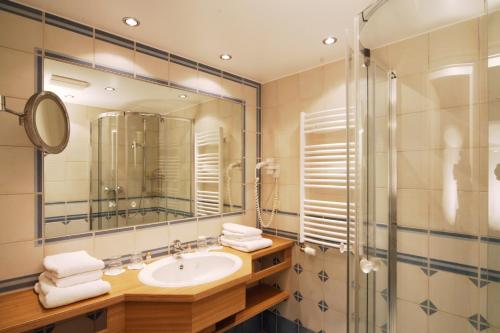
<point x="239" y="237"/>
<point x="71" y="263"/>
<point x="248" y="246"/>
<point x="51" y="296"/>
<point x="73" y="280"/>
<point x="242" y="230"/>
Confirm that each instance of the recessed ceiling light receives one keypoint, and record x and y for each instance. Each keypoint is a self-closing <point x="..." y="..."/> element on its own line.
<point x="69" y="96"/>
<point x="226" y="56"/>
<point x="131" y="21"/>
<point x="109" y="89"/>
<point x="183" y="96"/>
<point x="330" y="40"/>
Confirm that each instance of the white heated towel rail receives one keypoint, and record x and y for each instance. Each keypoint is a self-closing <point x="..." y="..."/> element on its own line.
<point x="324" y="167"/>
<point x="208" y="172"/>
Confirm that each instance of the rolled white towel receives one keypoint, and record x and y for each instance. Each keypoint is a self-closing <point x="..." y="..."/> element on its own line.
<point x="242" y="230"/>
<point x="51" y="296"/>
<point x="248" y="246"/>
<point x="73" y="280"/>
<point x="71" y="263"/>
<point x="239" y="237"/>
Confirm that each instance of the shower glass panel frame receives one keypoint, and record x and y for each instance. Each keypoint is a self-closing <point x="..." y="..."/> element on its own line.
<point x="373" y="259"/>
<point x="131" y="172"/>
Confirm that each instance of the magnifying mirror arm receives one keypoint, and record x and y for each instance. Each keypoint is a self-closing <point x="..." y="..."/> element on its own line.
<point x="3" y="107"/>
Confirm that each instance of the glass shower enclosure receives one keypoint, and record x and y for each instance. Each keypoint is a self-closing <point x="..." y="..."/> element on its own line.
<point x="424" y="79"/>
<point x="141" y="169"/>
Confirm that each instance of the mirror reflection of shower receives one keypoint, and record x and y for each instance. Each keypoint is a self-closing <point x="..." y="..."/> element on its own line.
<point x="229" y="171"/>
<point x="137" y="171"/>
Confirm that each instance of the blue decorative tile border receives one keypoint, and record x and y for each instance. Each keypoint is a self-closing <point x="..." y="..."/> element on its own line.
<point x="18" y="9"/>
<point x="69" y="25"/>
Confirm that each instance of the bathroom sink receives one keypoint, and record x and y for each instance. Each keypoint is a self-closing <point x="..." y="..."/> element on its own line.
<point x="190" y="270"/>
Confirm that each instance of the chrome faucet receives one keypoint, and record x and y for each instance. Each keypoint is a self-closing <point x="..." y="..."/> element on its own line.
<point x="178" y="249"/>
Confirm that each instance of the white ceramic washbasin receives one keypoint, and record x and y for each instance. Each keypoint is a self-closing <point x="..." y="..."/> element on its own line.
<point x="190" y="270"/>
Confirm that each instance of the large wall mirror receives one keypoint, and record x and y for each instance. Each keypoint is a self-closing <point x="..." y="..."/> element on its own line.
<point x="139" y="153"/>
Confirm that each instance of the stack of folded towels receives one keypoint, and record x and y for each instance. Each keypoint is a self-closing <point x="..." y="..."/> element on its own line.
<point x="243" y="238"/>
<point x="70" y="277"/>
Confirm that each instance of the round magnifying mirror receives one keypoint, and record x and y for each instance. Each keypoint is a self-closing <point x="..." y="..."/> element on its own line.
<point x="46" y="122"/>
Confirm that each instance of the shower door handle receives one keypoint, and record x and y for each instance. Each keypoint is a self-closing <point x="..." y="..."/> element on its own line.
<point x="367" y="266"/>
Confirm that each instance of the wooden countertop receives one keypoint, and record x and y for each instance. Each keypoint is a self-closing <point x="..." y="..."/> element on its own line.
<point x="21" y="311"/>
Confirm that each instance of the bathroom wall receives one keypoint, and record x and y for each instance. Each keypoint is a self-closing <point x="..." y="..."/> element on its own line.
<point x="23" y="31"/>
<point x="318" y="284"/>
<point x="443" y="141"/>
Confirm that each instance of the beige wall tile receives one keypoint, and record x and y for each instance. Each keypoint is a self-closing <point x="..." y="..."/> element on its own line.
<point x="183" y="231"/>
<point x="411" y="242"/>
<point x="445" y="322"/>
<point x="458" y="43"/>
<point x="16" y="170"/>
<point x="17" y="213"/>
<point x="288" y="89"/>
<point x="334" y="85"/>
<point x="11" y="132"/>
<point x="151" y="238"/>
<point x="210" y="227"/>
<point x="69" y="43"/>
<point x="413" y="208"/>
<point x="70" y="245"/>
<point x="27" y="36"/>
<point x="454" y="211"/>
<point x="54" y="229"/>
<point x="310" y="314"/>
<point x="334" y="321"/>
<point x="150" y="66"/>
<point x="413" y="283"/>
<point x="447" y="291"/>
<point x="270" y="94"/>
<point x="454" y="127"/>
<point x="410" y="56"/>
<point x="411" y="93"/>
<point x="454" y="250"/>
<point x="311" y="82"/>
<point x="210" y="83"/>
<point x="28" y="253"/>
<point x="187" y="77"/>
<point x="454" y="170"/>
<point x="18" y="73"/>
<point x="413" y="131"/>
<point x="233" y="89"/>
<point x="110" y="55"/>
<point x="413" y="169"/>
<point x="410" y="318"/>
<point x="115" y="244"/>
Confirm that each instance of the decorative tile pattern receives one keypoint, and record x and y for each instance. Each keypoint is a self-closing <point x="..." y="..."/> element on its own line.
<point x="323" y="276"/>
<point x="428" y="307"/>
<point x="476" y="319"/>
<point x="298" y="268"/>
<point x="298" y="296"/>
<point x="323" y="306"/>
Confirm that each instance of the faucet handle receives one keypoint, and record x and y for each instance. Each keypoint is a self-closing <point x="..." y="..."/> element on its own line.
<point x="177" y="244"/>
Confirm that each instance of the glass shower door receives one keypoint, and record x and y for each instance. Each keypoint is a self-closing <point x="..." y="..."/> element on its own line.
<point x="374" y="253"/>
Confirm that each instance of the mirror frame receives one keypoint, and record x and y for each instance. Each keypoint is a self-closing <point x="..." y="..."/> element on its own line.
<point x="29" y="120"/>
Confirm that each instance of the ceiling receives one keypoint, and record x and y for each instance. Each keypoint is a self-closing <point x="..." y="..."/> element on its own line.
<point x="397" y="20"/>
<point x="267" y="39"/>
<point x="130" y="94"/>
